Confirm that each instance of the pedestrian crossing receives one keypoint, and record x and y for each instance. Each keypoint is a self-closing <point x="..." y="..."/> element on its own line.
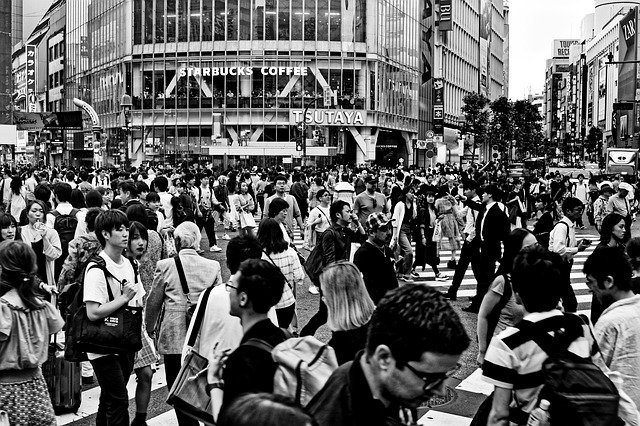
<point x="473" y="384"/>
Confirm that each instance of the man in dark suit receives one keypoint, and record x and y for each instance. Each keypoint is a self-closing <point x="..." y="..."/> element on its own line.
<point x="492" y="227"/>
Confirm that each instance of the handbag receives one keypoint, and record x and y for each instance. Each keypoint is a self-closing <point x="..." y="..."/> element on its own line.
<point x="189" y="391"/>
<point x="185" y="289"/>
<point x="119" y="332"/>
<point x="169" y="247"/>
<point x="247" y="220"/>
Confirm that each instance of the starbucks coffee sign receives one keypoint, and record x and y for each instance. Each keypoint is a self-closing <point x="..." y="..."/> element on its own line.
<point x="329" y="117"/>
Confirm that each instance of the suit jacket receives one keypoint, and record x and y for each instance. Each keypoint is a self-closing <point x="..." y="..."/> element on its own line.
<point x="167" y="297"/>
<point x="496" y="228"/>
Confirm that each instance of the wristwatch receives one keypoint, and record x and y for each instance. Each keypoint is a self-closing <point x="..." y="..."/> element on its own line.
<point x="215" y="385"/>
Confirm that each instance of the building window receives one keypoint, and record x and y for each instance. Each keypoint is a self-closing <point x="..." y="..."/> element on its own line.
<point x="245" y="20"/>
<point x="160" y="21"/>
<point x="171" y="21"/>
<point x="297" y="15"/>
<point x="232" y="19"/>
<point x="207" y="20"/>
<point x="310" y="20"/>
<point x="335" y="21"/>
<point x="195" y="15"/>
<point x="220" y="14"/>
<point x="183" y="13"/>
<point x="283" y="20"/>
<point x="323" y="20"/>
<point x="258" y="20"/>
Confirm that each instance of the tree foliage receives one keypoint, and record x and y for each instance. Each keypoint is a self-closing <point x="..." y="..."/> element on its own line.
<point x="527" y="129"/>
<point x="476" y="116"/>
<point x="593" y="141"/>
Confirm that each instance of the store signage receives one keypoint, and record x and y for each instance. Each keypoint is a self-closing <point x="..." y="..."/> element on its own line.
<point x="329" y="117"/>
<point x="31" y="77"/>
<point x="111" y="80"/>
<point x="445" y="15"/>
<point x="215" y="71"/>
<point x="561" y="48"/>
<point x="438" y="105"/>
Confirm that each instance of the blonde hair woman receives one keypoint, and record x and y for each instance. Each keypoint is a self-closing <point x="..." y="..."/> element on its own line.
<point x="350" y="308"/>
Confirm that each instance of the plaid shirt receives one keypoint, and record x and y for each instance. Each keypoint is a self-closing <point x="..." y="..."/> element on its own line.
<point x="291" y="268"/>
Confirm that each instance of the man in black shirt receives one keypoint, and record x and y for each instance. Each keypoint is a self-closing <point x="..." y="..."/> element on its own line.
<point x="253" y="290"/>
<point x="414" y="343"/>
<point x="375" y="259"/>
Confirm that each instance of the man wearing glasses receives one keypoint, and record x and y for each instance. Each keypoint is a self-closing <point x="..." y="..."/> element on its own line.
<point x="369" y="201"/>
<point x="414" y="343"/>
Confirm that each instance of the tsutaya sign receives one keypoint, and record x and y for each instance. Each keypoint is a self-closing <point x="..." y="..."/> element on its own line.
<point x="209" y="71"/>
<point x="329" y="117"/>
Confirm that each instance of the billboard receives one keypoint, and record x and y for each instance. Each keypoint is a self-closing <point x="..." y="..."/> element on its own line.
<point x="36" y="121"/>
<point x="5" y="62"/>
<point x="561" y="48"/>
<point x="627" y="72"/>
<point x="445" y="15"/>
<point x="485" y="40"/>
<point x="438" y="106"/>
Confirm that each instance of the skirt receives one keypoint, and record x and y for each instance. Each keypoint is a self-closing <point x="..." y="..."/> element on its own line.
<point x="147" y="355"/>
<point x="27" y="403"/>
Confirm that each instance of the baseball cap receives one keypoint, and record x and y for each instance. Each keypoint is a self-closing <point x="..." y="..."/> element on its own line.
<point x="624" y="185"/>
<point x="606" y="188"/>
<point x="376" y="220"/>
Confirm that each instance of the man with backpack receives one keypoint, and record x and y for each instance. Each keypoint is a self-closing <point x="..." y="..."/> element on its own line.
<point x="562" y="240"/>
<point x="253" y="290"/>
<point x="546" y="356"/>
<point x="64" y="220"/>
<point x="414" y="343"/>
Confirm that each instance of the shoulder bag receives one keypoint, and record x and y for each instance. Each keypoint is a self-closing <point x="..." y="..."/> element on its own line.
<point x="189" y="392"/>
<point x="185" y="289"/>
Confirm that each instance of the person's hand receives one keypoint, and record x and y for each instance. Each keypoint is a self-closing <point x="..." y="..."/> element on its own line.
<point x="480" y="358"/>
<point x="41" y="228"/>
<point x="215" y="369"/>
<point x="584" y="244"/>
<point x="424" y="241"/>
<point x="129" y="290"/>
<point x="49" y="289"/>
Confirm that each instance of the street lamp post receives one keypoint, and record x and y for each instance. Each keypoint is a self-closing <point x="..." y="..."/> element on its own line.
<point x="125" y="105"/>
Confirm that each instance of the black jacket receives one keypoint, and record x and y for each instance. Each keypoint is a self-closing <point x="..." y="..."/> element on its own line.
<point x="378" y="270"/>
<point x="336" y="243"/>
<point x="495" y="230"/>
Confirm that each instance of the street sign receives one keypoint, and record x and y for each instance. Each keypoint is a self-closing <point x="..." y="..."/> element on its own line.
<point x="430" y="134"/>
<point x="327" y="96"/>
<point x="438" y="139"/>
<point x="623" y="106"/>
<point x="438" y="112"/>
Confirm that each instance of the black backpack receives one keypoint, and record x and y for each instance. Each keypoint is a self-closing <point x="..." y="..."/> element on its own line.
<point x="65" y="225"/>
<point x="579" y="392"/>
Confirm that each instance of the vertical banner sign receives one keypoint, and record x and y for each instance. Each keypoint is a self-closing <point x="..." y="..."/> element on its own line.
<point x="627" y="72"/>
<point x="445" y="15"/>
<point x="438" y="106"/>
<point x="485" y="39"/>
<point x="31" y="78"/>
<point x="425" y="111"/>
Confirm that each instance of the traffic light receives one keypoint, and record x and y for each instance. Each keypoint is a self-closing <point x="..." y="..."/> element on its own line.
<point x="299" y="146"/>
<point x="495" y="152"/>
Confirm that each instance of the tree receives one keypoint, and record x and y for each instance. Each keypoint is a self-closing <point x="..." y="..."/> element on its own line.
<point x="527" y="129"/>
<point x="593" y="141"/>
<point x="501" y="127"/>
<point x="476" y="115"/>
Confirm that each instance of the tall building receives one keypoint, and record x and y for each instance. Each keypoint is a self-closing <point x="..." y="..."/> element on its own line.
<point x="505" y="49"/>
<point x="471" y="58"/>
<point x="6" y="32"/>
<point x="16" y="21"/>
<point x="233" y="80"/>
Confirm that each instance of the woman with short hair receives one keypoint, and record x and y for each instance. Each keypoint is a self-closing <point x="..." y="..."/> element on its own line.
<point x="350" y="308"/>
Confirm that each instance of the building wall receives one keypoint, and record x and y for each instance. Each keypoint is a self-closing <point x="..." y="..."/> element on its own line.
<point x="505" y="50"/>
<point x="16" y="21"/>
<point x="6" y="25"/>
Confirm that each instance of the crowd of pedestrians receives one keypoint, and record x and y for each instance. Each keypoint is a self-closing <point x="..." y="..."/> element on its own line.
<point x="133" y="240"/>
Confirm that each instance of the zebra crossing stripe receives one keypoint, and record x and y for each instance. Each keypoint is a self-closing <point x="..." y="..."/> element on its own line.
<point x="438" y="418"/>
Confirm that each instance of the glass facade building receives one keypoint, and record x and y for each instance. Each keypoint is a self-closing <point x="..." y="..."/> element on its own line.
<point x="210" y="78"/>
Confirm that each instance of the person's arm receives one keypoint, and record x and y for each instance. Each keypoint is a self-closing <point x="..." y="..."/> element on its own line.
<point x="52" y="247"/>
<point x="155" y="300"/>
<point x="251" y="205"/>
<point x="489" y="303"/>
<point x="329" y="247"/>
<point x="68" y="272"/>
<point x="559" y="237"/>
<point x="296" y="213"/>
<point x="499" y="415"/>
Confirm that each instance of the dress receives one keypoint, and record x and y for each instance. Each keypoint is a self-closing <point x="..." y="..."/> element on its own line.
<point x="448" y="221"/>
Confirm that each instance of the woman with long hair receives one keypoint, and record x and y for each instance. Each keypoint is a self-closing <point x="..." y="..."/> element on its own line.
<point x="544" y="219"/>
<point x="23" y="390"/>
<point x="612" y="231"/>
<point x="350" y="308"/>
<point x="244" y="204"/>
<point x="316" y="185"/>
<point x="44" y="241"/>
<point x="426" y="248"/>
<point x="277" y="251"/>
<point x="446" y="208"/>
<point x="497" y="311"/>
<point x="18" y="200"/>
<point x="404" y="215"/>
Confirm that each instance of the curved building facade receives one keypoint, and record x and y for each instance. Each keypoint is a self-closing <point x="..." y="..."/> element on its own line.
<point x="231" y="79"/>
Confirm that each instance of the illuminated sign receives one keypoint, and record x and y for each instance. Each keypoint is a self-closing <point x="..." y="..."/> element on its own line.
<point x="31" y="78"/>
<point x="215" y="71"/>
<point x="330" y="117"/>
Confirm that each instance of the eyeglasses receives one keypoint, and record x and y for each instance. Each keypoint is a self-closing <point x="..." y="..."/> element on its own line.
<point x="433" y="380"/>
<point x="228" y="286"/>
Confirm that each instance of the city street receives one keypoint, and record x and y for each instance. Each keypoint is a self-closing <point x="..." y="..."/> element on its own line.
<point x="466" y="389"/>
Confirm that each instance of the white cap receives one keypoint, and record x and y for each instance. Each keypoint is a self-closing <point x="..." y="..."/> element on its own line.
<point x="544" y="404"/>
<point x="627" y="187"/>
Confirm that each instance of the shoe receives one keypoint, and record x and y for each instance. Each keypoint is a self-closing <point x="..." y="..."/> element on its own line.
<point x="313" y="289"/>
<point x="215" y="249"/>
<point x="452" y="264"/>
<point x="199" y="251"/>
<point x="414" y="274"/>
<point x="88" y="380"/>
<point x="225" y="237"/>
<point x="472" y="309"/>
<point x="450" y="296"/>
<point x="407" y="279"/>
<point x="441" y="277"/>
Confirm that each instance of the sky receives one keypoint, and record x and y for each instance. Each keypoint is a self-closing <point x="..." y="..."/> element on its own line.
<point x="32" y="12"/>
<point x="533" y="25"/>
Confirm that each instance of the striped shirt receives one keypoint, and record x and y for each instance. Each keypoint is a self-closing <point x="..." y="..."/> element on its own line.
<point x="514" y="361"/>
<point x="291" y="268"/>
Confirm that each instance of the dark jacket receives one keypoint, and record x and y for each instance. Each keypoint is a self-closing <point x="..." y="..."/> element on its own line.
<point x="378" y="270"/>
<point x="347" y="343"/>
<point x="250" y="369"/>
<point x="495" y="230"/>
<point x="346" y="400"/>
<point x="336" y="243"/>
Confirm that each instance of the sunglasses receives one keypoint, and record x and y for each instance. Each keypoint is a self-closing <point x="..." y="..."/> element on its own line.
<point x="433" y="380"/>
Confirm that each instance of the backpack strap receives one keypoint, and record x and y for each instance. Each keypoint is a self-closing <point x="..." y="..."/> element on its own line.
<point x="183" y="278"/>
<point x="258" y="343"/>
<point x="567" y="225"/>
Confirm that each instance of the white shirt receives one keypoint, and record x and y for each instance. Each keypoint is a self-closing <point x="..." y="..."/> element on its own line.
<point x="558" y="238"/>
<point x="62" y="208"/>
<point x="484" y="217"/>
<point x="165" y="199"/>
<point x="470" y="224"/>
